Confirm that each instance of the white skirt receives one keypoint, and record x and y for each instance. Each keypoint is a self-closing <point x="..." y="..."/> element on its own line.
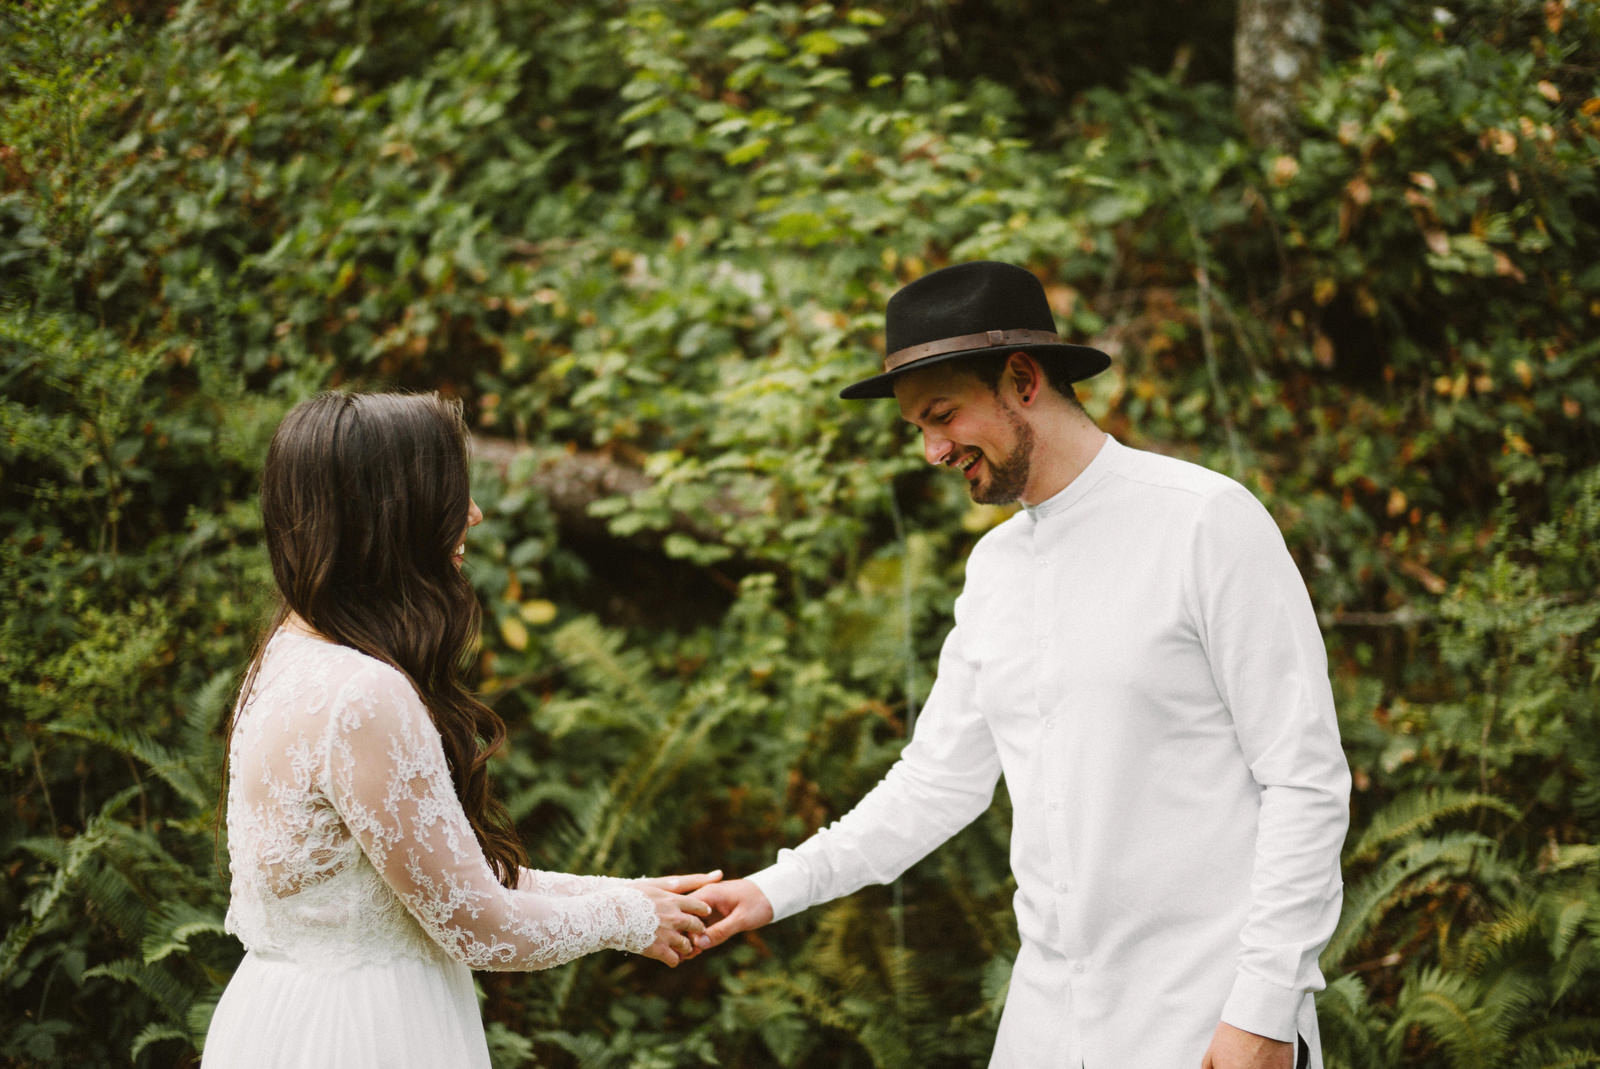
<point x="279" y="1014"/>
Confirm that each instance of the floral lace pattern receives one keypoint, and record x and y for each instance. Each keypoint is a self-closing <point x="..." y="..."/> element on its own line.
<point x="348" y="844"/>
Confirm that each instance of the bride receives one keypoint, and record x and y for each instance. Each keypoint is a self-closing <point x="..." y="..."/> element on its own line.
<point x="371" y="867"/>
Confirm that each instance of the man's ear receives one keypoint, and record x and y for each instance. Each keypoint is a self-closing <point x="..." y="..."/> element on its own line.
<point x="1025" y="376"/>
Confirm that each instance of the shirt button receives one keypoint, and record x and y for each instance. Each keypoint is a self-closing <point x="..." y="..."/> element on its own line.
<point x="1049" y="723"/>
<point x="1044" y="562"/>
<point x="1061" y="888"/>
<point x="1055" y="807"/>
<point x="1079" y="967"/>
<point x="1043" y="642"/>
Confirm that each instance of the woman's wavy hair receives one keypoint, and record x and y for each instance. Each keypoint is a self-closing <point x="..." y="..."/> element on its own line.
<point x="364" y="498"/>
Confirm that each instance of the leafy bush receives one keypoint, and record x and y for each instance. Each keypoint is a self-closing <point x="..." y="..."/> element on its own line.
<point x="646" y="243"/>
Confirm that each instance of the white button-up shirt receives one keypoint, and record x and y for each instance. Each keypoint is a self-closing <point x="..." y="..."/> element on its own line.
<point x="1139" y="658"/>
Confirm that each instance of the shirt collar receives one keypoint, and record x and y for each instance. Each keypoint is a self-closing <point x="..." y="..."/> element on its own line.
<point x="1069" y="495"/>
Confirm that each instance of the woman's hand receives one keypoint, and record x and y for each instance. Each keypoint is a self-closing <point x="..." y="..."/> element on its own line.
<point x="680" y="931"/>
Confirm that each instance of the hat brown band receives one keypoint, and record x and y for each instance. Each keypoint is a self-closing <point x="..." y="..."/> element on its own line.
<point x="987" y="339"/>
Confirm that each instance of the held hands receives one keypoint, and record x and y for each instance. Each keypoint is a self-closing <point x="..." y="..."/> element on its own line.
<point x="736" y="906"/>
<point x="680" y="930"/>
<point x="684" y="903"/>
<point x="1234" y="1048"/>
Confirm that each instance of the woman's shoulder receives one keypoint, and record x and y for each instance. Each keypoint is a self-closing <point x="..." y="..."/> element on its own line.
<point x="346" y="677"/>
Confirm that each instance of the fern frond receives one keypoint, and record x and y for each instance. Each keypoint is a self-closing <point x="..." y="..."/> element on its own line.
<point x="1512" y="1000"/>
<point x="1351" y="1032"/>
<point x="166" y="990"/>
<point x="1411" y="814"/>
<point x="638" y="785"/>
<point x="204" y="710"/>
<point x="171" y="767"/>
<point x="600" y="661"/>
<point x="74" y="858"/>
<point x="1447" y="1006"/>
<point x="1568" y="912"/>
<point x="155" y="1033"/>
<point x="110" y="895"/>
<point x="1550" y="1055"/>
<point x="1580" y="963"/>
<point x="172" y="926"/>
<point x="1407" y="873"/>
<point x="198" y="1019"/>
<point x="1573" y="856"/>
<point x="1511" y="927"/>
<point x="1571" y="1030"/>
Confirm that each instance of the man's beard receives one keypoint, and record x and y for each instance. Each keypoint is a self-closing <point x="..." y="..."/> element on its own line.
<point x="1008" y="477"/>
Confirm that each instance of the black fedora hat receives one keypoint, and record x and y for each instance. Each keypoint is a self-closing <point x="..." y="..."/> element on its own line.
<point x="971" y="309"/>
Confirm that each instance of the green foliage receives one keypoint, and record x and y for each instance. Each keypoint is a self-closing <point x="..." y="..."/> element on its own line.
<point x="1485" y="936"/>
<point x="654" y="240"/>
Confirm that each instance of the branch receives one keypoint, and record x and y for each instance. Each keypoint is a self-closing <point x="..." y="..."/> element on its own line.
<point x="570" y="482"/>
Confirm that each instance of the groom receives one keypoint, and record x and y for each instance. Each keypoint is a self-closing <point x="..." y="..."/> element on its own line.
<point x="1135" y="652"/>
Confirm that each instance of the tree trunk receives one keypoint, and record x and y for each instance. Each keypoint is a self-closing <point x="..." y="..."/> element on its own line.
<point x="1275" y="44"/>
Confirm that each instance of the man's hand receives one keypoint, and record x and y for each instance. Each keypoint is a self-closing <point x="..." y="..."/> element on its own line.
<point x="679" y="917"/>
<point x="736" y="906"/>
<point x="1234" y="1048"/>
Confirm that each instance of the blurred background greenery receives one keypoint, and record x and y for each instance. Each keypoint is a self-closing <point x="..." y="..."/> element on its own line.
<point x="646" y="242"/>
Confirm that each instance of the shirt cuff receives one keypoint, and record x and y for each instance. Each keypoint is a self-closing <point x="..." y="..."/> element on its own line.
<point x="785" y="884"/>
<point x="1265" y="1009"/>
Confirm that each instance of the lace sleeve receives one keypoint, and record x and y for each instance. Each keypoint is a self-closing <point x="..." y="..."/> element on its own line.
<point x="386" y="774"/>
<point x="543" y="882"/>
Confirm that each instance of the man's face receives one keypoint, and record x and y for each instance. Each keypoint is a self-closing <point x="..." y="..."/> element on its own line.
<point x="967" y="426"/>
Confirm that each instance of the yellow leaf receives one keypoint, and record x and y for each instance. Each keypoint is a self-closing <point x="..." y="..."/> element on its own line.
<point x="537" y="612"/>
<point x="514" y="633"/>
<point x="1549" y="91"/>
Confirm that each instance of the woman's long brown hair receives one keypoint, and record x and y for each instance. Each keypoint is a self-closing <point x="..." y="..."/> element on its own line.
<point x="364" y="499"/>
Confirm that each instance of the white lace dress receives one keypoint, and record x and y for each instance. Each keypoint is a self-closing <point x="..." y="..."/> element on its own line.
<point x="359" y="890"/>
